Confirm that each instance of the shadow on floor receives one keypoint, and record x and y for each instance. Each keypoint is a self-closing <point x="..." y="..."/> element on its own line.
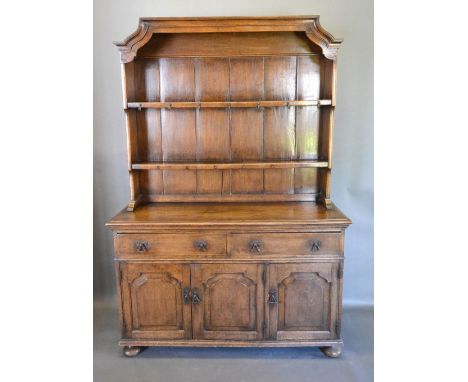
<point x="168" y="364"/>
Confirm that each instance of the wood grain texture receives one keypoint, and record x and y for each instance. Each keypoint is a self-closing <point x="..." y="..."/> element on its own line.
<point x="328" y="79"/>
<point x="307" y="132"/>
<point x="147" y="75"/>
<point x="251" y="196"/>
<point x="279" y="126"/>
<point x="212" y="79"/>
<point x="246" y="79"/>
<point x="180" y="182"/>
<point x="178" y="135"/>
<point x="132" y="153"/>
<point x="246" y="134"/>
<point x="308" y="77"/>
<point x="266" y="164"/>
<point x="177" y="82"/>
<point x="246" y="144"/>
<point x="177" y="79"/>
<point x="153" y="301"/>
<point x="213" y="135"/>
<point x="305" y="180"/>
<point x="179" y="143"/>
<point x="160" y="246"/>
<point x="209" y="182"/>
<point x="198" y="215"/>
<point x="231" y="344"/>
<point x="252" y="103"/>
<point x="227" y="44"/>
<point x="279" y="134"/>
<point x="289" y="244"/>
<point x="306" y="307"/>
<point x="151" y="182"/>
<point x="226" y="104"/>
<point x="230" y="120"/>
<point x="280" y="78"/>
<point x="247" y="181"/>
<point x="278" y="181"/>
<point x="213" y="140"/>
<point x="317" y="35"/>
<point x="231" y="306"/>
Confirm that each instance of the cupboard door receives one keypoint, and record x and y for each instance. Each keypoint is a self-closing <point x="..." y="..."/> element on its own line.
<point x="156" y="301"/>
<point x="302" y="301"/>
<point x="227" y="301"/>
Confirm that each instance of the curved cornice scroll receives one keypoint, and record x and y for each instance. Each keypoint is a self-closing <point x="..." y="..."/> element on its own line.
<point x="324" y="39"/>
<point x="128" y="48"/>
<point x="308" y="24"/>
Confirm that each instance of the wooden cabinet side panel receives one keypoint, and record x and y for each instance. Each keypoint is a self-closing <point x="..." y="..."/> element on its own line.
<point x="118" y="279"/>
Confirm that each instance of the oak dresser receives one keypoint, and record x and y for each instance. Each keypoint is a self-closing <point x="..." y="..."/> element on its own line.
<point x="230" y="237"/>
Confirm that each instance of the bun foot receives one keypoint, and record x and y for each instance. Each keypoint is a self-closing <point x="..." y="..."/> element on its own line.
<point x="132" y="351"/>
<point x="332" y="351"/>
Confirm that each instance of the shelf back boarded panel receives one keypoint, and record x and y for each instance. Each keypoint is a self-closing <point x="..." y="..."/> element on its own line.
<point x="229" y="67"/>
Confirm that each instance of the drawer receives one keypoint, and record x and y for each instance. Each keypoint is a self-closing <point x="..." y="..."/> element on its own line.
<point x="170" y="245"/>
<point x="284" y="244"/>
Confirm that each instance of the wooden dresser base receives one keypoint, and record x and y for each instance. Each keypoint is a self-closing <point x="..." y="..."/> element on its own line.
<point x="132" y="348"/>
<point x="217" y="275"/>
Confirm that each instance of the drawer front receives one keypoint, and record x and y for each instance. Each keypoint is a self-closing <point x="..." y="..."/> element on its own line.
<point x="170" y="245"/>
<point x="284" y="244"/>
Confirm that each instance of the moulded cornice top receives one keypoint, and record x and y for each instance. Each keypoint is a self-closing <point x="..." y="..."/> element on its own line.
<point x="148" y="25"/>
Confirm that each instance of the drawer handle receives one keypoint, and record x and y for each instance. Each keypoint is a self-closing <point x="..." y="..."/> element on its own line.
<point x="273" y="296"/>
<point x="195" y="297"/>
<point x="255" y="246"/>
<point x="201" y="245"/>
<point x="315" y="245"/>
<point x="186" y="295"/>
<point x="142" y="246"/>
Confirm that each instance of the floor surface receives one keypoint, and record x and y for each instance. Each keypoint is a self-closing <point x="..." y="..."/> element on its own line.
<point x="235" y="364"/>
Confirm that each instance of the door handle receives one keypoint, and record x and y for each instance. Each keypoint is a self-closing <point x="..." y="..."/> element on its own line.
<point x="201" y="245"/>
<point x="186" y="295"/>
<point x="195" y="297"/>
<point x="142" y="246"/>
<point x="273" y="296"/>
<point x="315" y="245"/>
<point x="255" y="246"/>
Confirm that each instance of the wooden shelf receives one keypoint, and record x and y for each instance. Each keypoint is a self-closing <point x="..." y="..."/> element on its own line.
<point x="225" y="104"/>
<point x="198" y="90"/>
<point x="227" y="165"/>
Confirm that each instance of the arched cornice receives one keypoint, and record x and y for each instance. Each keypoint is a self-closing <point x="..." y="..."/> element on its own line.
<point x="324" y="39"/>
<point x="309" y="24"/>
<point x="128" y="48"/>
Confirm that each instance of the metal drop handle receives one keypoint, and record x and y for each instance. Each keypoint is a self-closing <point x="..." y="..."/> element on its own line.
<point x="195" y="297"/>
<point x="315" y="245"/>
<point x="255" y="246"/>
<point x="186" y="295"/>
<point x="142" y="246"/>
<point x="273" y="296"/>
<point x="201" y="245"/>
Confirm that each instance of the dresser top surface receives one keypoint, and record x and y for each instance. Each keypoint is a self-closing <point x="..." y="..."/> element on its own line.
<point x="209" y="214"/>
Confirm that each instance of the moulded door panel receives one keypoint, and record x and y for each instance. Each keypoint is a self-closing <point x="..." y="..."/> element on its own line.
<point x="229" y="301"/>
<point x="155" y="301"/>
<point x="302" y="301"/>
